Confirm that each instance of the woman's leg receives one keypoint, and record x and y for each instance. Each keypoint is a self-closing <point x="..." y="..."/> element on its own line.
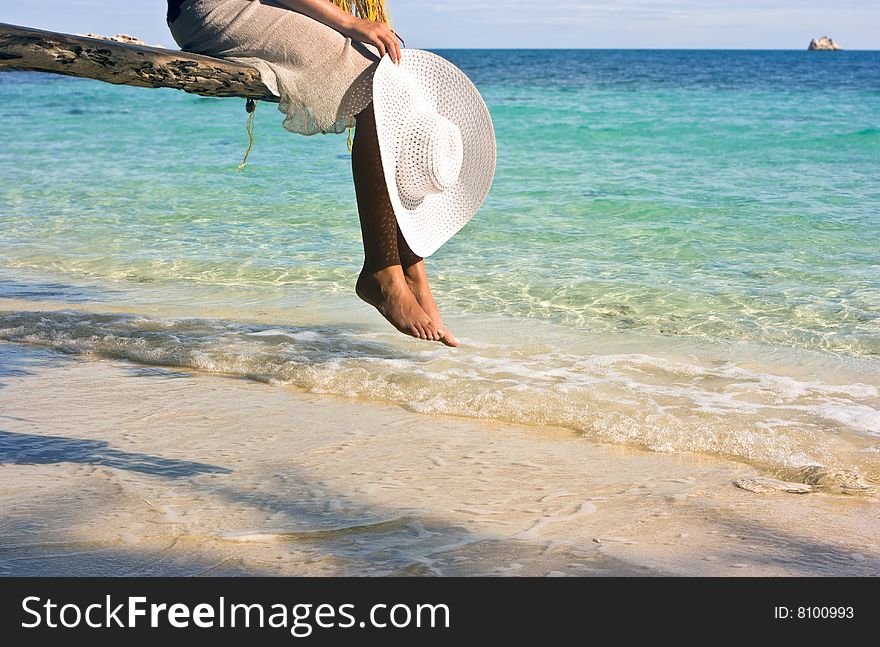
<point x="382" y="283"/>
<point x="417" y="279"/>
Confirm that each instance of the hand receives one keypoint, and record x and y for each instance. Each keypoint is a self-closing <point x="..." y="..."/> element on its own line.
<point x="377" y="34"/>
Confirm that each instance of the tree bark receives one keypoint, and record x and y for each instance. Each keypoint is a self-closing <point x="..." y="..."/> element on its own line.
<point x="23" y="48"/>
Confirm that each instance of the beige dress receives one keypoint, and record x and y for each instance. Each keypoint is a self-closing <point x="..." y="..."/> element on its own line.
<point x="321" y="77"/>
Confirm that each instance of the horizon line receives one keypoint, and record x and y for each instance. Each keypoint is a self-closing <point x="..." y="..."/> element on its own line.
<point x="660" y="49"/>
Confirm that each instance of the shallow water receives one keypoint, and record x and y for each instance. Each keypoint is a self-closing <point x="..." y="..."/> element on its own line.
<point x="679" y="251"/>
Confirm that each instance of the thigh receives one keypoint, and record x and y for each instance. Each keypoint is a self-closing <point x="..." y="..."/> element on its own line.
<point x="254" y="28"/>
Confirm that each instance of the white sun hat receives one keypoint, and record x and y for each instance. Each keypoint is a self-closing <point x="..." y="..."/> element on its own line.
<point x="437" y="146"/>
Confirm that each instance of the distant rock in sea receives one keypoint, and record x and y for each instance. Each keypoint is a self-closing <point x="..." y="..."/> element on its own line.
<point x="824" y="43"/>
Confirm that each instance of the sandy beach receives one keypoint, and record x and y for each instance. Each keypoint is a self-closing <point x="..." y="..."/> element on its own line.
<point x="115" y="468"/>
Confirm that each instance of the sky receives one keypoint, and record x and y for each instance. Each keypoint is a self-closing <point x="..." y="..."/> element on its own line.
<point x="697" y="24"/>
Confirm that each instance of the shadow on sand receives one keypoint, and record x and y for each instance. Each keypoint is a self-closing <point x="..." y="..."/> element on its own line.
<point x="32" y="449"/>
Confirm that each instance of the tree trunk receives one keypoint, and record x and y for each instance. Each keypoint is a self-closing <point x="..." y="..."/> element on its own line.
<point x="22" y="48"/>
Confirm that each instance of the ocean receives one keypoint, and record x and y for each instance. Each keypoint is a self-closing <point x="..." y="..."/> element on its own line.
<point x="680" y="252"/>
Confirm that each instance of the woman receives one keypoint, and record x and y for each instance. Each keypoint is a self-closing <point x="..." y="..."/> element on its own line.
<point x="326" y="69"/>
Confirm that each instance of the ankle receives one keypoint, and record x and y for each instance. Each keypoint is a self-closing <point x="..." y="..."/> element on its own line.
<point x="416" y="272"/>
<point x="388" y="275"/>
<point x="418" y="284"/>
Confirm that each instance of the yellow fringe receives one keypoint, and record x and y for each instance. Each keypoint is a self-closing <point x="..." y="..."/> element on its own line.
<point x="374" y="10"/>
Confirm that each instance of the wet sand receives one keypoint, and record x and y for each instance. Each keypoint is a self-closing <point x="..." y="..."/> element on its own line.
<point x="114" y="468"/>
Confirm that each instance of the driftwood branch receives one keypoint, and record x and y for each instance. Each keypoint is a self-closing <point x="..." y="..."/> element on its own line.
<point x="23" y="48"/>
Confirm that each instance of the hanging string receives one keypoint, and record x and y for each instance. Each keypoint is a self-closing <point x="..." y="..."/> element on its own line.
<point x="251" y="107"/>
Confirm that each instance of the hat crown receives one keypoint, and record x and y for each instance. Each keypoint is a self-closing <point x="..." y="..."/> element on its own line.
<point x="431" y="156"/>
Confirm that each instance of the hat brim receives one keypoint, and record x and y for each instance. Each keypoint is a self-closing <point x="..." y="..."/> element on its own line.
<point x="424" y="80"/>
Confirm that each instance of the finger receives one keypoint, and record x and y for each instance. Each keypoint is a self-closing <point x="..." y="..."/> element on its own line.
<point x="388" y="41"/>
<point x="391" y="44"/>
<point x="396" y="48"/>
<point x="380" y="46"/>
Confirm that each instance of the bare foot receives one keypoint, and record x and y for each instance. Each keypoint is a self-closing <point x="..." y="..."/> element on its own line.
<point x="387" y="291"/>
<point x="417" y="279"/>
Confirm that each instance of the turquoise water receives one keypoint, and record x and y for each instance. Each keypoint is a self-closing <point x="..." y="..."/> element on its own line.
<point x="680" y="249"/>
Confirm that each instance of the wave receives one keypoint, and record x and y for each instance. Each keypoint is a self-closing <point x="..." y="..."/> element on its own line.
<point x="788" y="425"/>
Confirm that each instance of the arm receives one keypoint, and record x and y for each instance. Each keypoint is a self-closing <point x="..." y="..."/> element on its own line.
<point x="377" y="34"/>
